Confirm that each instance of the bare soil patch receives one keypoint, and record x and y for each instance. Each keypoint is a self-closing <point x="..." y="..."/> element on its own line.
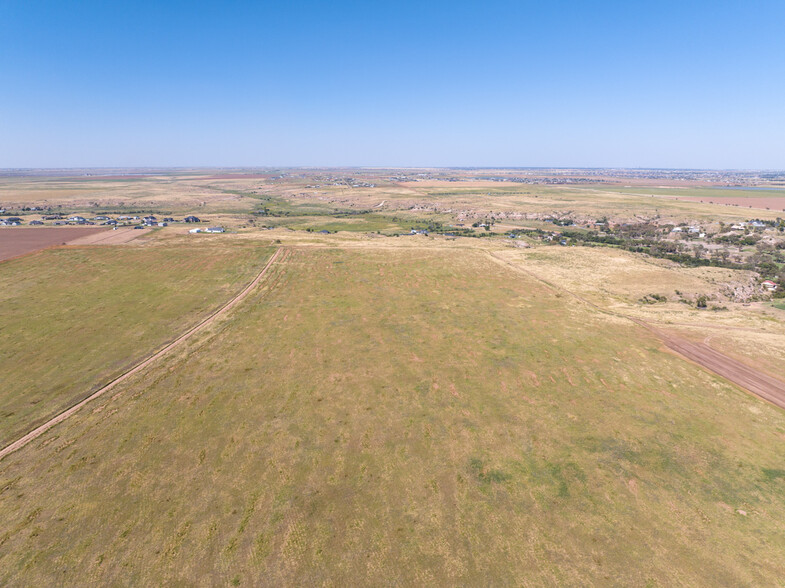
<point x="117" y="237"/>
<point x="20" y="241"/>
<point x="747" y="377"/>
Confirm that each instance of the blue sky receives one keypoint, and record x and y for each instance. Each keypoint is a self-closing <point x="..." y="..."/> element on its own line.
<point x="558" y="83"/>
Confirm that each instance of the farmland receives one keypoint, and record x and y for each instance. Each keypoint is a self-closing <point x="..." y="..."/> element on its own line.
<point x="432" y="408"/>
<point x="15" y="242"/>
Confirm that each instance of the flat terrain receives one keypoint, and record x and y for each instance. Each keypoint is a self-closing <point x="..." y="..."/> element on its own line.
<point x="114" y="237"/>
<point x="143" y="364"/>
<point x="73" y="318"/>
<point x="366" y="381"/>
<point x="476" y="428"/>
<point x="16" y="241"/>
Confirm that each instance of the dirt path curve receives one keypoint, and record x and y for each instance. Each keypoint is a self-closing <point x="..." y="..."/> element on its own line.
<point x="38" y="431"/>
<point x="746" y="377"/>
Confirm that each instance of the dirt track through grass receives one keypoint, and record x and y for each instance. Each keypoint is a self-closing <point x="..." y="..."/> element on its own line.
<point x="746" y="377"/>
<point x="19" y="443"/>
<point x="753" y="380"/>
<point x="404" y="417"/>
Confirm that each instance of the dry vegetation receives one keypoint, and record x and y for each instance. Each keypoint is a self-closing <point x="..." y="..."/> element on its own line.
<point x="380" y="410"/>
<point x="73" y="318"/>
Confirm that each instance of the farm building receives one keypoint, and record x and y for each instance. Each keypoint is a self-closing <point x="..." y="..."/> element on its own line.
<point x="215" y="230"/>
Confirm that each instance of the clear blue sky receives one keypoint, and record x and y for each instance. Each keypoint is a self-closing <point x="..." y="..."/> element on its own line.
<point x="551" y="83"/>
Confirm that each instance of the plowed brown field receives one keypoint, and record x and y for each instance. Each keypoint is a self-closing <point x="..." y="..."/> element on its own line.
<point x="19" y="241"/>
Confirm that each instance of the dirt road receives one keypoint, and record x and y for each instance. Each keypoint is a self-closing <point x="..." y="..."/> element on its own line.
<point x="745" y="376"/>
<point x="38" y="431"/>
<point x="755" y="381"/>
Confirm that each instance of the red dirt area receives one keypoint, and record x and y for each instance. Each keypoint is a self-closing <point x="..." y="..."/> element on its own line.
<point x="19" y="241"/>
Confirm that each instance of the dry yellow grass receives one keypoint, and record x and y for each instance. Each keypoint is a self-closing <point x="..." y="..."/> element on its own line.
<point x="404" y="415"/>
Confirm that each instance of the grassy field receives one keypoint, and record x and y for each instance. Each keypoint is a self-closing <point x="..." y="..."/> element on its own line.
<point x="619" y="281"/>
<point x="404" y="415"/>
<point x="73" y="318"/>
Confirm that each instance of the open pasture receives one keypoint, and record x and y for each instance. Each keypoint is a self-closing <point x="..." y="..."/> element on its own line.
<point x="405" y="416"/>
<point x="73" y="318"/>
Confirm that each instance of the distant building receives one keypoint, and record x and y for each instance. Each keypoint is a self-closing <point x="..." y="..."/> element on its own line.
<point x="215" y="230"/>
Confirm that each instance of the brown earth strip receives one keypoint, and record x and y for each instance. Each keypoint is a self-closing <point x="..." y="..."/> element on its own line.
<point x="755" y="381"/>
<point x="748" y="378"/>
<point x="38" y="431"/>
<point x="118" y="237"/>
<point x="15" y="242"/>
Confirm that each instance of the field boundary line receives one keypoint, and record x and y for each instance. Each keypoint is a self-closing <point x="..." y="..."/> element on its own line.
<point x="750" y="379"/>
<point x="60" y="417"/>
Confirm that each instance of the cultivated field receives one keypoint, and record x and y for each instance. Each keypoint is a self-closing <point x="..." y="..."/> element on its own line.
<point x="19" y="241"/>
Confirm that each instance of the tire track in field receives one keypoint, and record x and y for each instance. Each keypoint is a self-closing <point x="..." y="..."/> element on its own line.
<point x="748" y="378"/>
<point x="753" y="380"/>
<point x="40" y="430"/>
